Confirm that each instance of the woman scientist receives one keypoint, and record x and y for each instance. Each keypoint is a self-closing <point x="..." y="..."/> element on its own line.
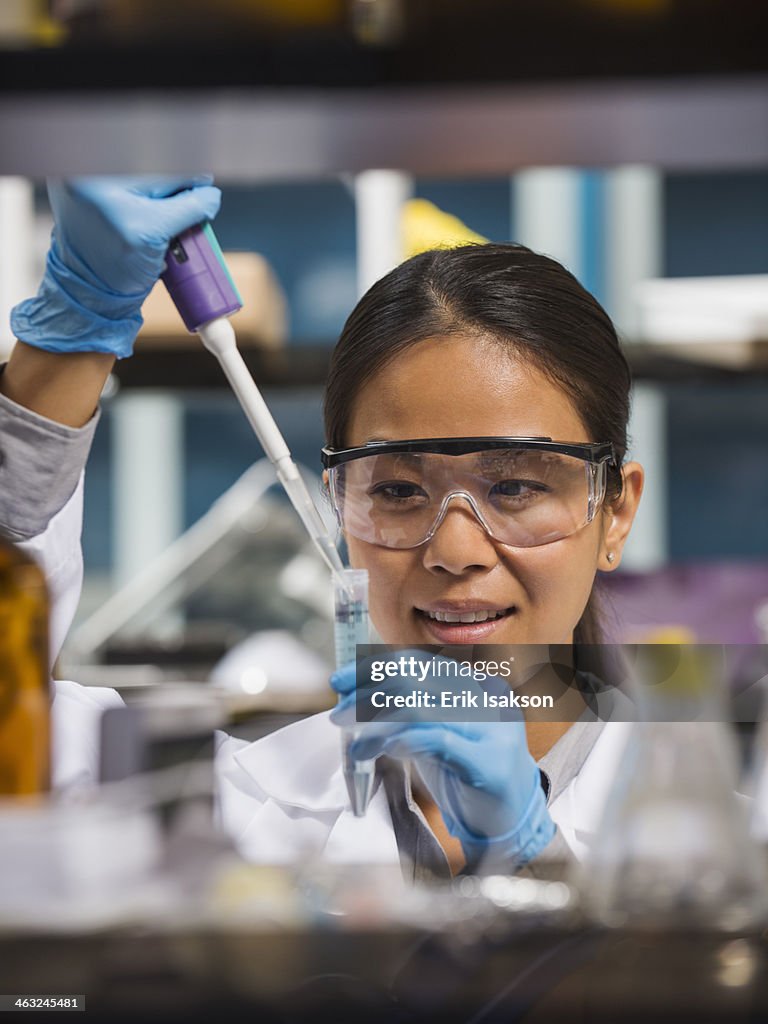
<point x="491" y="358"/>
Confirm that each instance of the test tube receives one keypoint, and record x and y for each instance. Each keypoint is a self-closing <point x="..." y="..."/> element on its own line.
<point x="351" y="629"/>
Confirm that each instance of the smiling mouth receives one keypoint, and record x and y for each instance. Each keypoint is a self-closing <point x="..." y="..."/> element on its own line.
<point x="465" y="618"/>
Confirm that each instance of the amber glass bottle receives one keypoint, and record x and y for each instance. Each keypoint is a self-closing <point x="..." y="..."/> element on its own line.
<point x="24" y="676"/>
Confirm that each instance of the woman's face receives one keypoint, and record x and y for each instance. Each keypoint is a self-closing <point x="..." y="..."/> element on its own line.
<point x="460" y="386"/>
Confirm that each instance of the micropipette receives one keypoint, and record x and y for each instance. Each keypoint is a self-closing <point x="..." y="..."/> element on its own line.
<point x="205" y="295"/>
<point x="351" y="629"/>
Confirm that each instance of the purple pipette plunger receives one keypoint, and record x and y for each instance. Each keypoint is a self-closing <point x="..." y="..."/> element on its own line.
<point x="197" y="278"/>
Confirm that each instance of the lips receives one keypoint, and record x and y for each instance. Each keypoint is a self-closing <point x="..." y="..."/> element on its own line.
<point x="462" y="622"/>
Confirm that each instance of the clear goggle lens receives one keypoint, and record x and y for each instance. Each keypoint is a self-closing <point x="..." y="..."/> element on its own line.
<point x="523" y="498"/>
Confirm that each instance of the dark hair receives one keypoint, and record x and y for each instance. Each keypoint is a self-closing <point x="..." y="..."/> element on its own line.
<point x="526" y="303"/>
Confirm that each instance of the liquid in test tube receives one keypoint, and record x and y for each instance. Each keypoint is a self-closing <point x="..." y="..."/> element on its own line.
<point x="351" y="629"/>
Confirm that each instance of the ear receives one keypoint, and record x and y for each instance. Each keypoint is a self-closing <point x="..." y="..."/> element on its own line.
<point x="620" y="516"/>
<point x="325" y="479"/>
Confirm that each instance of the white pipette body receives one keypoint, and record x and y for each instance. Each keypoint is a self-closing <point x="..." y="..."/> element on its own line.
<point x="218" y="336"/>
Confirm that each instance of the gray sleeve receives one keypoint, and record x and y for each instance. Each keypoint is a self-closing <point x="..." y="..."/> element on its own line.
<point x="40" y="465"/>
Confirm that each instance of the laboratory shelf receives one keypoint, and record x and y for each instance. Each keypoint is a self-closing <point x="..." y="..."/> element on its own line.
<point x="306" y="365"/>
<point x="203" y="44"/>
<point x="474" y="87"/>
<point x="291" y="133"/>
<point x="192" y="367"/>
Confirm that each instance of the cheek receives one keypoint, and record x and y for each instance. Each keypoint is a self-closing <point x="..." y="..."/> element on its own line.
<point x="558" y="579"/>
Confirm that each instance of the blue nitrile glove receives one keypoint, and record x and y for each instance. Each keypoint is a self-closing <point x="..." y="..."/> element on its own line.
<point x="107" y="250"/>
<point x="480" y="773"/>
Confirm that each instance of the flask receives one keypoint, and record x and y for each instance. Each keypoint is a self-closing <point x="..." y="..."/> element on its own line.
<point x="757" y="675"/>
<point x="673" y="848"/>
<point x="24" y="676"/>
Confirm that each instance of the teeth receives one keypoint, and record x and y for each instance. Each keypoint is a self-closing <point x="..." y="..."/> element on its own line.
<point x="481" y="616"/>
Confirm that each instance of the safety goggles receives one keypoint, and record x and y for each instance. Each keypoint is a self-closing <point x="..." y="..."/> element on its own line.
<point x="524" y="491"/>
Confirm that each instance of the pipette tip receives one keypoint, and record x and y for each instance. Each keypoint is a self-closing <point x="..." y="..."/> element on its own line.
<point x="360" y="789"/>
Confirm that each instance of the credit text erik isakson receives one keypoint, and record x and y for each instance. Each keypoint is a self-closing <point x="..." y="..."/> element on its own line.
<point x="463" y="699"/>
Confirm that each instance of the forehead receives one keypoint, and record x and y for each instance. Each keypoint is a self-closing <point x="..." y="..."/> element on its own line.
<point x="458" y="386"/>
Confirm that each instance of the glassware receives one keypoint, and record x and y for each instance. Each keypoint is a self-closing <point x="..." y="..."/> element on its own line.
<point x="673" y="848"/>
<point x="24" y="676"/>
<point x="350" y="629"/>
<point x="758" y="677"/>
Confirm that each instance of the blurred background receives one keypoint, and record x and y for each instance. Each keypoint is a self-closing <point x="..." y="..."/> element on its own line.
<point x="626" y="138"/>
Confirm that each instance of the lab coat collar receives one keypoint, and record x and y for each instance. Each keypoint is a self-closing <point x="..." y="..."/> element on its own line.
<point x="299" y="765"/>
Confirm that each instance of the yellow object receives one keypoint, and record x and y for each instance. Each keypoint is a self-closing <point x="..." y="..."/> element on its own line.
<point x="24" y="681"/>
<point x="28" y="23"/>
<point x="669" y="635"/>
<point x="674" y="666"/>
<point x="298" y="13"/>
<point x="425" y="226"/>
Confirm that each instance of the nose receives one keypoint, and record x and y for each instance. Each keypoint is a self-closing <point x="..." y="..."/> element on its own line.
<point x="460" y="542"/>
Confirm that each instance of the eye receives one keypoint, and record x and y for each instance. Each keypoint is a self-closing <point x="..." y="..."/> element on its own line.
<point x="519" y="490"/>
<point x="399" y="492"/>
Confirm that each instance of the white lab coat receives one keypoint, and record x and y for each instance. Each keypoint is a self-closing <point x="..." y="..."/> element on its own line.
<point x="283" y="797"/>
<point x="76" y="710"/>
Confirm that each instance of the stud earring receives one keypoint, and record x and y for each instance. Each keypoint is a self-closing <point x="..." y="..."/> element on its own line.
<point x="611" y="557"/>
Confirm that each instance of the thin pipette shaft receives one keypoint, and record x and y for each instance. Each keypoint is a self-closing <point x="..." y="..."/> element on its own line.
<point x="219" y="338"/>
